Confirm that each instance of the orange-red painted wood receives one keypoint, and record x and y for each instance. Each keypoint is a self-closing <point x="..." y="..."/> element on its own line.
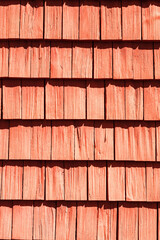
<point x="84" y="141"/>
<point x="75" y="180"/>
<point x="66" y="221"/>
<point x="53" y="19"/>
<point x="74" y="99"/>
<point x="156" y="60"/>
<point x="104" y="149"/>
<point x="63" y="140"/>
<point x="131" y="20"/>
<point x="70" y="19"/>
<point x="12" y="99"/>
<point x="22" y="220"/>
<point x="4" y="139"/>
<point x="33" y="180"/>
<point x="31" y="19"/>
<point x="61" y="59"/>
<point x="4" y="53"/>
<point x="32" y="99"/>
<point x="157" y="141"/>
<point x="102" y="60"/>
<point x="116" y="181"/>
<point x="89" y="20"/>
<point x="95" y="99"/>
<point x="12" y="180"/>
<point x="5" y="220"/>
<point x="44" y="220"/>
<point x="111" y="20"/>
<point x="54" y="100"/>
<point x="55" y="180"/>
<point x="97" y="181"/>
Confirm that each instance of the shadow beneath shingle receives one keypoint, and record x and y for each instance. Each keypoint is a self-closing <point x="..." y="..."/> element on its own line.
<point x="50" y="204"/>
<point x="95" y="84"/>
<point x="131" y="3"/>
<point x="153" y="83"/>
<point x="134" y="124"/>
<point x="94" y="3"/>
<point x="9" y="3"/>
<point x="33" y="3"/>
<point x="146" y="3"/>
<point x="4" y="203"/>
<point x="73" y="3"/>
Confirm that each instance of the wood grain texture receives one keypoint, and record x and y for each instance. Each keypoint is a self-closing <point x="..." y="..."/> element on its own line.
<point x="89" y="20"/>
<point x="75" y="180"/>
<point x="44" y="220"/>
<point x="82" y="60"/>
<point x="12" y="99"/>
<point x="116" y="181"/>
<point x="63" y="140"/>
<point x="70" y="19"/>
<point x="104" y="149"/>
<point x="55" y="180"/>
<point x="31" y="19"/>
<point x="111" y="20"/>
<point x="32" y="99"/>
<point x="54" y="99"/>
<point x="84" y="141"/>
<point x="22" y="220"/>
<point x="102" y="60"/>
<point x="156" y="60"/>
<point x="53" y="19"/>
<point x="5" y="219"/>
<point x="33" y="188"/>
<point x="61" y="60"/>
<point x="74" y="99"/>
<point x="10" y="15"/>
<point x="157" y="141"/>
<point x="131" y="20"/>
<point x="66" y="220"/>
<point x="4" y="139"/>
<point x="4" y="53"/>
<point x="12" y="180"/>
<point x="87" y="221"/>
<point x="95" y="99"/>
<point x="97" y="181"/>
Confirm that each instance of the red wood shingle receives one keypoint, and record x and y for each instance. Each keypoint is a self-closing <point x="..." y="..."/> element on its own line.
<point x="4" y="139"/>
<point x="4" y="53"/>
<point x="156" y="60"/>
<point x="158" y="141"/>
<point x="5" y="220"/>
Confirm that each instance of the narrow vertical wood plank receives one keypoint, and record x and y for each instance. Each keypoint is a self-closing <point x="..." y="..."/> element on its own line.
<point x="89" y="20"/>
<point x="107" y="221"/>
<point x="153" y="173"/>
<point x="70" y="19"/>
<point x="62" y="140"/>
<point x="134" y="100"/>
<point x="40" y="60"/>
<point x="136" y="182"/>
<point x="111" y="20"/>
<point x="102" y="60"/>
<point x="10" y="15"/>
<point x="74" y="99"/>
<point x="31" y="19"/>
<point x="123" y="60"/>
<point x="150" y="20"/>
<point x="5" y="219"/>
<point x="54" y="99"/>
<point x="19" y="140"/>
<point x="33" y="180"/>
<point x="75" y="180"/>
<point x="116" y="181"/>
<point x="143" y="61"/>
<point x="55" y="181"/>
<point x="53" y="19"/>
<point x="156" y="60"/>
<point x="11" y="99"/>
<point x="158" y="141"/>
<point x="12" y="180"/>
<point x="32" y="99"/>
<point x="95" y="99"/>
<point x="87" y="221"/>
<point x="128" y="221"/>
<point x="41" y="140"/>
<point x="148" y="221"/>
<point x="97" y="181"/>
<point x="4" y="52"/>
<point x="82" y="60"/>
<point x="131" y="20"/>
<point x="104" y="149"/>
<point x="115" y="100"/>
<point x="151" y="100"/>
<point x="135" y="141"/>
<point x="66" y="220"/>
<point x="84" y="141"/>
<point x="19" y="59"/>
<point x="4" y="139"/>
<point x="22" y="220"/>
<point x="61" y="59"/>
<point x="44" y="220"/>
